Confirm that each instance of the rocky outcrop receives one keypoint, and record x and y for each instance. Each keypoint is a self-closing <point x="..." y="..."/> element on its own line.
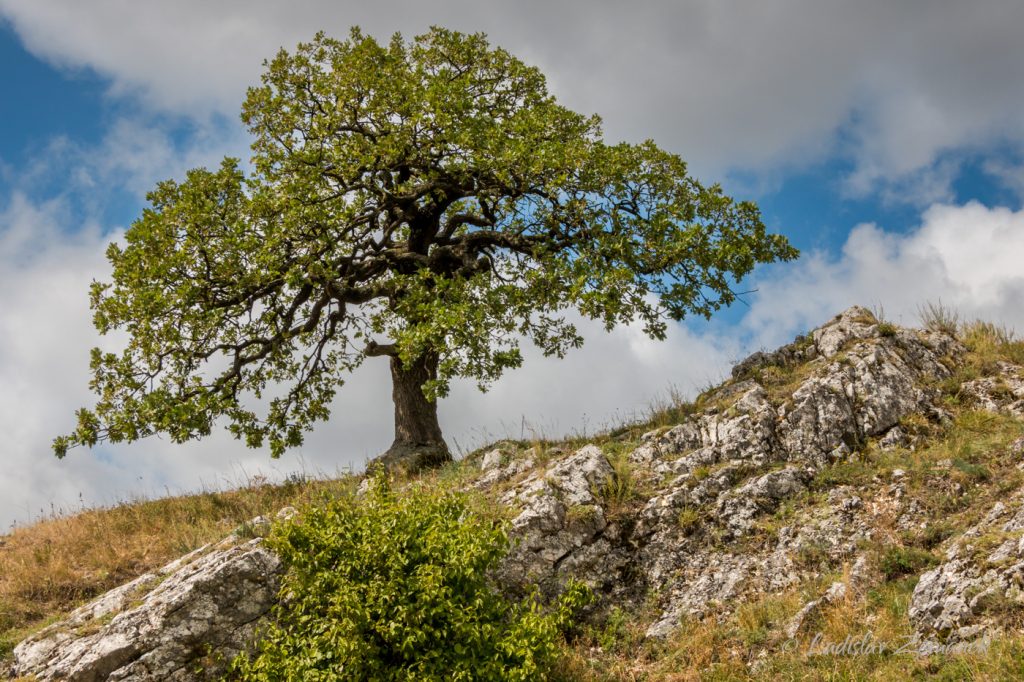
<point x="562" y="529"/>
<point x="180" y="623"/>
<point x="693" y="518"/>
<point x="982" y="577"/>
<point x="1003" y="392"/>
<point x="709" y="482"/>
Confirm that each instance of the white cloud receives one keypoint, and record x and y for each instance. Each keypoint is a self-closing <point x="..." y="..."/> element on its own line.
<point x="968" y="257"/>
<point x="131" y="157"/>
<point x="729" y="85"/>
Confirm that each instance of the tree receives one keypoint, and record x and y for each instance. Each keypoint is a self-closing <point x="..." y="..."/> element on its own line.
<point x="425" y="201"/>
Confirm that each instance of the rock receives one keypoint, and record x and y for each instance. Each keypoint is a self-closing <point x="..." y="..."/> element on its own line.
<point x="491" y="460"/>
<point x="495" y="472"/>
<point x="560" y="529"/>
<point x="745" y="433"/>
<point x="720" y="579"/>
<point x="866" y="394"/>
<point x="859" y="572"/>
<point x="852" y="323"/>
<point x="801" y="350"/>
<point x="182" y="623"/>
<point x="1003" y="392"/>
<point x="954" y="598"/>
<point x="738" y="510"/>
<point x="894" y="438"/>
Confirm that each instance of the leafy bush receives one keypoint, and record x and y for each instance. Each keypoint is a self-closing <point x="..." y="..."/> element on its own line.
<point x="394" y="587"/>
<point x="898" y="561"/>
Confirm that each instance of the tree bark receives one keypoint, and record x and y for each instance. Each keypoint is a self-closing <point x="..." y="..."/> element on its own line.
<point x="418" y="441"/>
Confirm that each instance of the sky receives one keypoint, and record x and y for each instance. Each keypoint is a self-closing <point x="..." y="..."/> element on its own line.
<point x="884" y="139"/>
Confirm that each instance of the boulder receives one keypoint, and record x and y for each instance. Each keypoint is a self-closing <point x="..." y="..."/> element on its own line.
<point x="184" y="622"/>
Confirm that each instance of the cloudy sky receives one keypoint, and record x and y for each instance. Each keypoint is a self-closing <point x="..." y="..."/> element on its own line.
<point x="885" y="139"/>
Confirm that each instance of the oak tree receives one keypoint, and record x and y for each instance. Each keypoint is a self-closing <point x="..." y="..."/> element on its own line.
<point x="429" y="202"/>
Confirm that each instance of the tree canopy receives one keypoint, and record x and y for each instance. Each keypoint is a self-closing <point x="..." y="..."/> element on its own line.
<point x="425" y="200"/>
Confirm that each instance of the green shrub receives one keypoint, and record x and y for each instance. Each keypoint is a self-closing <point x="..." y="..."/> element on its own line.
<point x="887" y="329"/>
<point x="394" y="587"/>
<point x="896" y="561"/>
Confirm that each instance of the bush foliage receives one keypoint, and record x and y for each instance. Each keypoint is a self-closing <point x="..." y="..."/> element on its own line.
<point x="394" y="587"/>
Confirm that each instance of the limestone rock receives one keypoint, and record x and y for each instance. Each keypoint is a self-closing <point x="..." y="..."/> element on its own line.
<point x="561" y="528"/>
<point x="952" y="600"/>
<point x="1003" y="392"/>
<point x="738" y="510"/>
<point x="181" y="623"/>
<point x="491" y="460"/>
<point x="852" y="323"/>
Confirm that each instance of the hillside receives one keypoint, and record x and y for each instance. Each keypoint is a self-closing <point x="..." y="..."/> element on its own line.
<point x="858" y="491"/>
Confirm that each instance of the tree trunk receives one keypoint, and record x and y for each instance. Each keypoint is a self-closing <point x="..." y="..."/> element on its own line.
<point x="418" y="441"/>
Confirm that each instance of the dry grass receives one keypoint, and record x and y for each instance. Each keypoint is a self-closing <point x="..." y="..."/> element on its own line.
<point x="50" y="567"/>
<point x="938" y="317"/>
<point x="989" y="344"/>
<point x="750" y="645"/>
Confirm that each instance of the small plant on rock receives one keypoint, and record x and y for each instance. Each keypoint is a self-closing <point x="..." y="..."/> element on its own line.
<point x="896" y="562"/>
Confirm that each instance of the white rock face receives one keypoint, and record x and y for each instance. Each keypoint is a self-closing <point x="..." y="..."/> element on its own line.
<point x="952" y="600"/>
<point x="1001" y="393"/>
<point x="560" y="530"/>
<point x="712" y="479"/>
<point x="491" y="460"/>
<point x="181" y="623"/>
<point x="852" y="323"/>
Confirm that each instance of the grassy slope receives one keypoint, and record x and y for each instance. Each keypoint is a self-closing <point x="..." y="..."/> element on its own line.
<point x="48" y="568"/>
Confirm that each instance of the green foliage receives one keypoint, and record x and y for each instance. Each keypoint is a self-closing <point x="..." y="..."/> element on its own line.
<point x="614" y="635"/>
<point x="887" y="329"/>
<point x="896" y="561"/>
<point x="421" y="199"/>
<point x="689" y="519"/>
<point x="395" y="587"/>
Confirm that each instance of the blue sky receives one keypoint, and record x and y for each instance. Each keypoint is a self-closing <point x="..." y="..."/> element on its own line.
<point x="886" y="142"/>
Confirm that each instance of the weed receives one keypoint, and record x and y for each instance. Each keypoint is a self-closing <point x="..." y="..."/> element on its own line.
<point x="689" y="519"/>
<point x="896" y="562"/>
<point x="937" y="317"/>
<point x="620" y="487"/>
<point x="975" y="472"/>
<point x="812" y="555"/>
